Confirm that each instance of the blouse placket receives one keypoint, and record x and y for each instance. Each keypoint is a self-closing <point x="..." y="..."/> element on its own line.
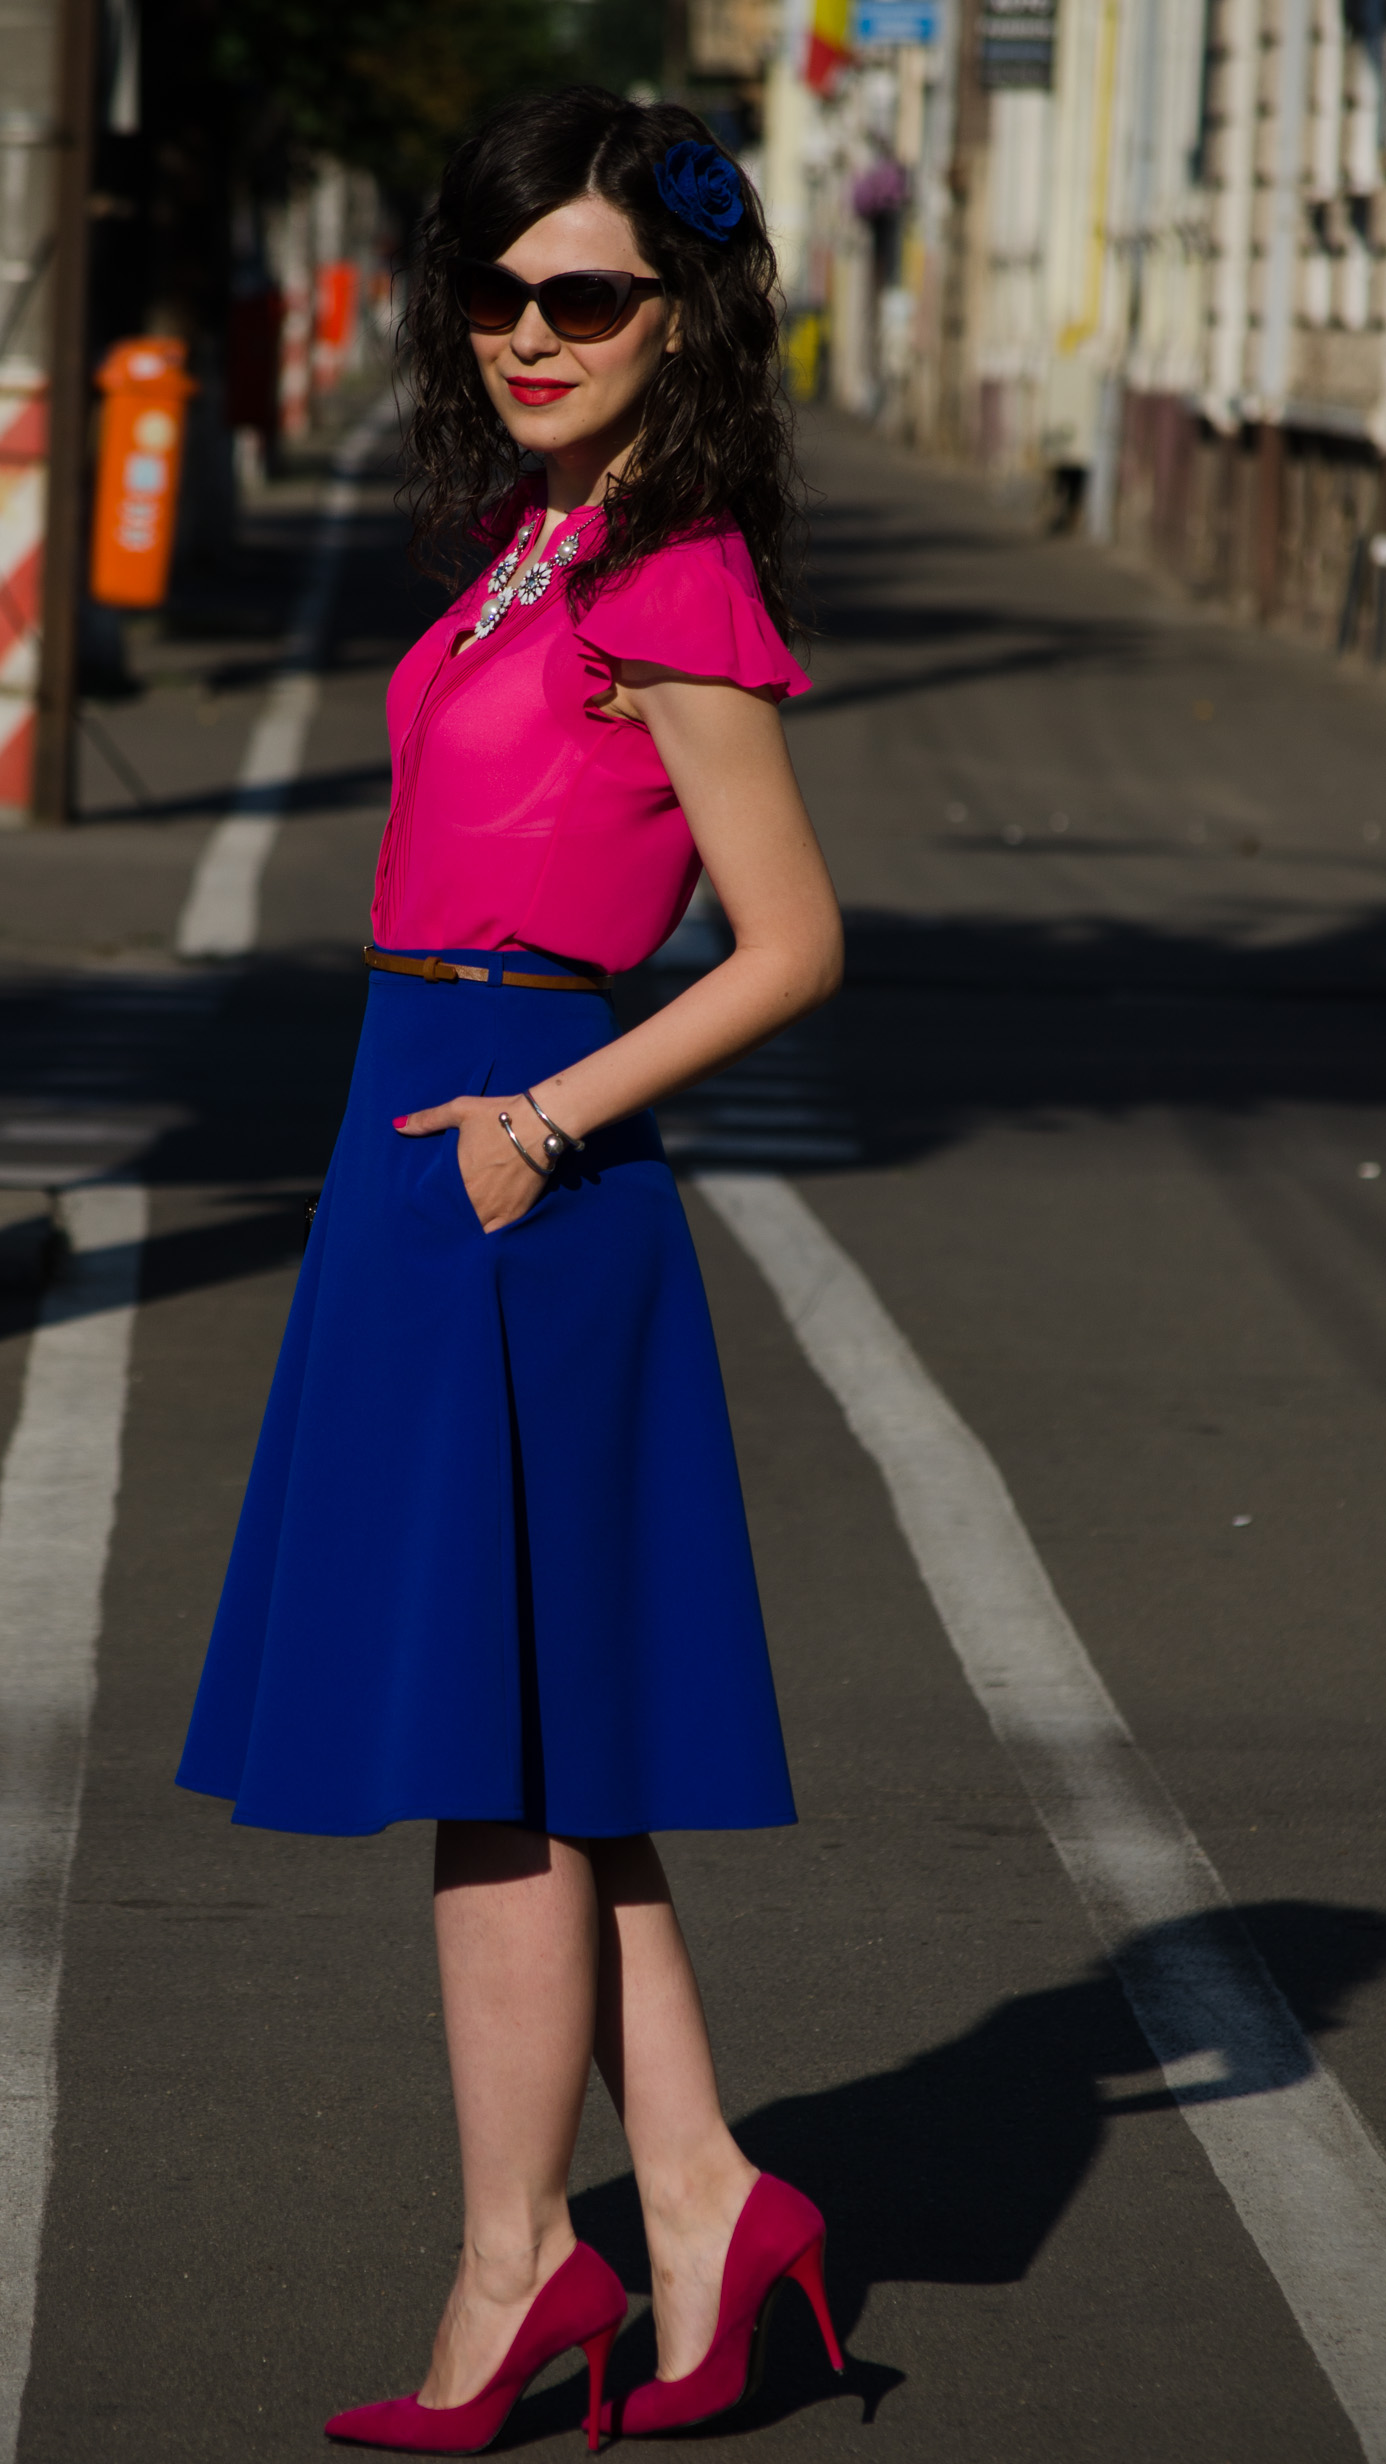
<point x="516" y="621"/>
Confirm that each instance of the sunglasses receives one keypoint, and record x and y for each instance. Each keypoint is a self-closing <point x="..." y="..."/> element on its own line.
<point x="577" y="307"/>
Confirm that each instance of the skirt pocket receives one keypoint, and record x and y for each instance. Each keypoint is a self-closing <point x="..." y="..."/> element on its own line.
<point x="439" y="1192"/>
<point x="435" y="1188"/>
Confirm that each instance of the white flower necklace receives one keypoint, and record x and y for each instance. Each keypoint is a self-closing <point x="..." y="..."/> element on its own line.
<point x="536" y="581"/>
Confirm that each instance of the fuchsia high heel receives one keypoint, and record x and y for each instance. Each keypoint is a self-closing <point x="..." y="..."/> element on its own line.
<point x="779" y="2233"/>
<point x="582" y="2303"/>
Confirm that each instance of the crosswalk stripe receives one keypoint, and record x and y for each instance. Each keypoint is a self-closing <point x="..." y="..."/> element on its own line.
<point x="57" y="1510"/>
<point x="221" y="913"/>
<point x="1298" y="2162"/>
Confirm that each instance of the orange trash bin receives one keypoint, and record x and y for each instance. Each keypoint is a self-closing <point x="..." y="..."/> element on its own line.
<point x="138" y="467"/>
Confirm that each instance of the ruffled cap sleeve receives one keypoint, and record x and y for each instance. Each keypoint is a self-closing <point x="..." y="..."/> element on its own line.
<point x="694" y="607"/>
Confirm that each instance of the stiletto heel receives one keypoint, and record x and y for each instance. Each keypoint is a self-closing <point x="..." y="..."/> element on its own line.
<point x="778" y="2233"/>
<point x="582" y="2303"/>
<point x="808" y="2271"/>
<point x="598" y="2355"/>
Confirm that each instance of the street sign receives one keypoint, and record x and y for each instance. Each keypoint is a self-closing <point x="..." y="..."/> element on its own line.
<point x="1017" y="44"/>
<point x="877" y="23"/>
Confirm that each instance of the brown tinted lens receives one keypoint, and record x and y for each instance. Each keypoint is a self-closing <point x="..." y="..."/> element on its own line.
<point x="489" y="298"/>
<point x="580" y="306"/>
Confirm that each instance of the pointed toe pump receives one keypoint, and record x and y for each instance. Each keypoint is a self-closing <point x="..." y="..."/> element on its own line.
<point x="582" y="2303"/>
<point x="779" y="2233"/>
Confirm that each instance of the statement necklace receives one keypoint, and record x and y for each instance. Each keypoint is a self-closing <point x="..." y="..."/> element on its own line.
<point x="536" y="581"/>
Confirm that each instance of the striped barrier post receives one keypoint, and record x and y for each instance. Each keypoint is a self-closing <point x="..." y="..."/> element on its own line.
<point x="295" y="336"/>
<point x="23" y="494"/>
<point x="295" y="271"/>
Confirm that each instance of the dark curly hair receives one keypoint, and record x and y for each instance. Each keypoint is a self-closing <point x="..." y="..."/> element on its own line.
<point x="715" y="442"/>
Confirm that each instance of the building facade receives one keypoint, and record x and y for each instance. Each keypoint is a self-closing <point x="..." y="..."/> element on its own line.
<point x="1125" y="255"/>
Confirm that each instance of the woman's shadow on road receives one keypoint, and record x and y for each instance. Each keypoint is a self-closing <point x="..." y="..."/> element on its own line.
<point x="955" y="2167"/>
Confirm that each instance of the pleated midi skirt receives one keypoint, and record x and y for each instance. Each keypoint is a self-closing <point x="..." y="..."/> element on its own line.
<point x="493" y="1560"/>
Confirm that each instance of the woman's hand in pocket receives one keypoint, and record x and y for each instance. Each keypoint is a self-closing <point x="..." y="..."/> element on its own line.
<point x="501" y="1185"/>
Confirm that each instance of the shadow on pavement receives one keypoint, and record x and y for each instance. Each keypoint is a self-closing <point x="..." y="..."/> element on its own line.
<point x="941" y="1030"/>
<point x="1057" y="647"/>
<point x="963" y="642"/>
<point x="942" y="1027"/>
<point x="318" y="791"/>
<point x="956" y="2167"/>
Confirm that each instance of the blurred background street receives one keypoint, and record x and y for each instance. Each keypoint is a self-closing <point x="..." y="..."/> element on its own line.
<point x="1073" y="2028"/>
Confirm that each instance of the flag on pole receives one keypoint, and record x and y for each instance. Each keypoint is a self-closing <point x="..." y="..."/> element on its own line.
<point x="829" y="48"/>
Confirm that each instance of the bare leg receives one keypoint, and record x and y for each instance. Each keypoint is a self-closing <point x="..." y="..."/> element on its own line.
<point x="516" y="1922"/>
<point x="653" y="2051"/>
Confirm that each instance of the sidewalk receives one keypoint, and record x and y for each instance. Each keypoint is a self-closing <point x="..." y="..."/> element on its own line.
<point x="99" y="1018"/>
<point x="156" y="769"/>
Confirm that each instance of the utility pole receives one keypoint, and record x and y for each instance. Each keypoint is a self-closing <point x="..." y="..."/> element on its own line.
<point x="965" y="236"/>
<point x="77" y="33"/>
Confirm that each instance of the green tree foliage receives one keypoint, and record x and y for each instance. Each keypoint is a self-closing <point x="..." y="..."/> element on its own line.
<point x="616" y="43"/>
<point x="386" y="84"/>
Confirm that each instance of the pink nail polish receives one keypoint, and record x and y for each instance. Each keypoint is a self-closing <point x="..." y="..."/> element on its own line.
<point x="400" y="1123"/>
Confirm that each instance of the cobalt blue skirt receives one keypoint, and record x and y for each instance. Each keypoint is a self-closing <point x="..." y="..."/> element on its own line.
<point x="493" y="1561"/>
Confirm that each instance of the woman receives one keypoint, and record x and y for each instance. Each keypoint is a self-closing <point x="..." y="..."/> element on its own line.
<point x="492" y="1567"/>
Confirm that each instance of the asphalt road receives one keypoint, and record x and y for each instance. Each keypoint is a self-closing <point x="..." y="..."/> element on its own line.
<point x="1090" y="1115"/>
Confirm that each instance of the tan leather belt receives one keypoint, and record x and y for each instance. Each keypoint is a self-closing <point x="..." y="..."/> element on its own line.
<point x="447" y="971"/>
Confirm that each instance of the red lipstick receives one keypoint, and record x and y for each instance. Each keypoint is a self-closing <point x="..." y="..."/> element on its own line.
<point x="534" y="390"/>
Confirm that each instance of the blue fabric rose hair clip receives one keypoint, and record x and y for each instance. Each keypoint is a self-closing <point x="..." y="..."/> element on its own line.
<point x="701" y="186"/>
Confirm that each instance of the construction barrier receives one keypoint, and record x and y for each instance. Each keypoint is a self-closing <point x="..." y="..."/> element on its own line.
<point x="334" y="321"/>
<point x="296" y="326"/>
<point x="23" y="497"/>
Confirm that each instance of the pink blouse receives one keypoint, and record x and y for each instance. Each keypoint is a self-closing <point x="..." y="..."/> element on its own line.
<point x="522" y="816"/>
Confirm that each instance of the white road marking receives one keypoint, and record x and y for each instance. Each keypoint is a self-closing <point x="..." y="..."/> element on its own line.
<point x="1292" y="2152"/>
<point x="57" y="1510"/>
<point x="221" y="914"/>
